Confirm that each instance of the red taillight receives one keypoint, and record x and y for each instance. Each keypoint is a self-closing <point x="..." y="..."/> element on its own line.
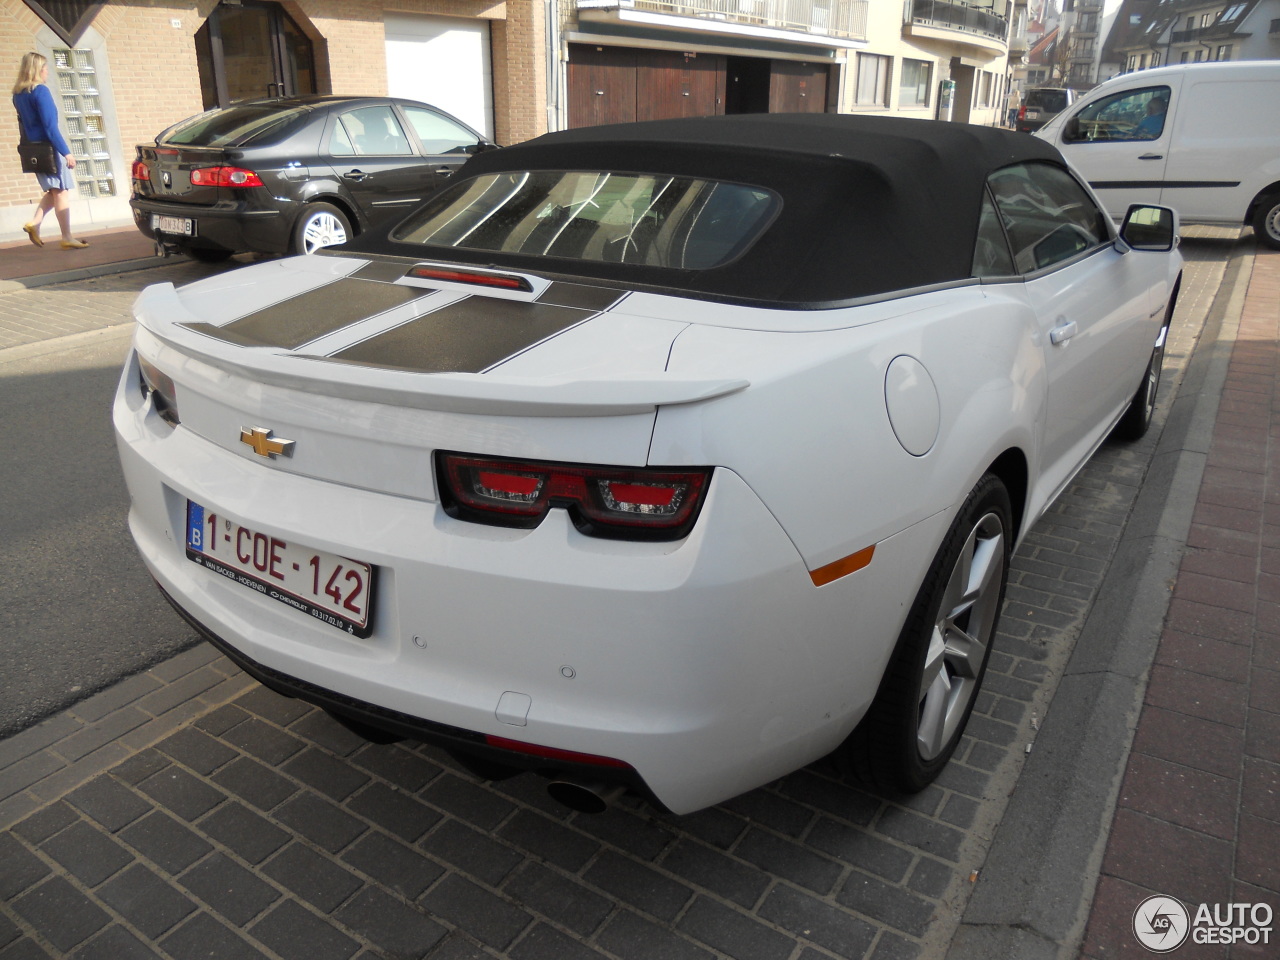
<point x="502" y="281"/>
<point x="224" y="177"/>
<point x="554" y="753"/>
<point x="1022" y="112"/>
<point x="620" y="502"/>
<point x="141" y="171"/>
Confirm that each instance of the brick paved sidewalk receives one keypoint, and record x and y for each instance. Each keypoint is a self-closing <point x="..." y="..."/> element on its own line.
<point x="1198" y="816"/>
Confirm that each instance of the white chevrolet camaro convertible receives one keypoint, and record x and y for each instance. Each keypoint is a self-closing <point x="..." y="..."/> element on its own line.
<point x="672" y="455"/>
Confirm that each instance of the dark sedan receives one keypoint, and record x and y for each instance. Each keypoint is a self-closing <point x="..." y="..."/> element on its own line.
<point x="292" y="175"/>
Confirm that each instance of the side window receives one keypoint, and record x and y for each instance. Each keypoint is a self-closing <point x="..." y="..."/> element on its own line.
<point x="991" y="252"/>
<point x="374" y="132"/>
<point x="340" y="141"/>
<point x="439" y="134"/>
<point x="1133" y="115"/>
<point x="1047" y="215"/>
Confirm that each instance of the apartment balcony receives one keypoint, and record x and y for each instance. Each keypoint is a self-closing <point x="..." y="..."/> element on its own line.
<point x="956" y="20"/>
<point x="838" y="19"/>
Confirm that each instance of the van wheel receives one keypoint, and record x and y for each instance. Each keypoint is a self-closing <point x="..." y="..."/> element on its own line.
<point x="933" y="677"/>
<point x="1266" y="221"/>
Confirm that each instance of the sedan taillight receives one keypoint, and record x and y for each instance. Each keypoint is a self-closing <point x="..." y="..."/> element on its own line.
<point x="650" y="503"/>
<point x="141" y="171"/>
<point x="224" y="177"/>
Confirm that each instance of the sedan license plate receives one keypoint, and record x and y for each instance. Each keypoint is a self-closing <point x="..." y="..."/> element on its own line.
<point x="182" y="226"/>
<point x="335" y="590"/>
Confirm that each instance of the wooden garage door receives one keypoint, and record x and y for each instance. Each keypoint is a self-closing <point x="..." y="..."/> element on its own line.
<point x="620" y="84"/>
<point x="674" y="84"/>
<point x="602" y="85"/>
<point x="796" y="87"/>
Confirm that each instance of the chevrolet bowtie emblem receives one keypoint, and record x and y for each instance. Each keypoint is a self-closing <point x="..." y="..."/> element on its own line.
<point x="264" y="445"/>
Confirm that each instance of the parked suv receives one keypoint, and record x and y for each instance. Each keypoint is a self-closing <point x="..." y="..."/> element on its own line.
<point x="1041" y="104"/>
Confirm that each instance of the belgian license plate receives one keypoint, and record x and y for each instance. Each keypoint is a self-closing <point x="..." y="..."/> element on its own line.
<point x="182" y="226"/>
<point x="335" y="590"/>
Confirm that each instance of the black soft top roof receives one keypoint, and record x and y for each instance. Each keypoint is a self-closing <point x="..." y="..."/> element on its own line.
<point x="869" y="204"/>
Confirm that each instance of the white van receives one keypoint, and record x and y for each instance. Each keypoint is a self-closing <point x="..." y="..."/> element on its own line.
<point x="1203" y="138"/>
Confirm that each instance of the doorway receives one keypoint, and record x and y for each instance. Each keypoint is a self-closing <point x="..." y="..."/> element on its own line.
<point x="250" y="50"/>
<point x="746" y="88"/>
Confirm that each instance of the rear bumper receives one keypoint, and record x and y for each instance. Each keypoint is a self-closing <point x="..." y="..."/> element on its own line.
<point x="237" y="227"/>
<point x="710" y="666"/>
<point x="455" y="740"/>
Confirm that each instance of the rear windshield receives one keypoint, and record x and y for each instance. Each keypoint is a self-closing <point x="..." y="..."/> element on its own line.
<point x="652" y="220"/>
<point x="234" y="126"/>
<point x="1055" y="100"/>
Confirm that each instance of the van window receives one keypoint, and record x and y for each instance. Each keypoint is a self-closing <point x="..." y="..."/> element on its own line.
<point x="1129" y="116"/>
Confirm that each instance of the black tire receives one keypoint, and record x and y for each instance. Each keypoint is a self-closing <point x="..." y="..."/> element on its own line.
<point x="1266" y="221"/>
<point x="208" y="254"/>
<point x="886" y="750"/>
<point x="1136" y="419"/>
<point x="320" y="225"/>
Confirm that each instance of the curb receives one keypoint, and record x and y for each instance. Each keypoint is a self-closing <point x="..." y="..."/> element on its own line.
<point x="1033" y="898"/>
<point x="80" y="273"/>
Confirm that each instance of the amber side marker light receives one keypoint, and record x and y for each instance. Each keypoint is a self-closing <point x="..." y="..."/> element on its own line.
<point x="502" y="281"/>
<point x="842" y="567"/>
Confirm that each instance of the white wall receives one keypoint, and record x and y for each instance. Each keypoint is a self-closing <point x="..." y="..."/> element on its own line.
<point x="443" y="61"/>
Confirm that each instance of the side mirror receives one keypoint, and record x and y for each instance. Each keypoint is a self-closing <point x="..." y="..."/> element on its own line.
<point x="1071" y="130"/>
<point x="1150" y="228"/>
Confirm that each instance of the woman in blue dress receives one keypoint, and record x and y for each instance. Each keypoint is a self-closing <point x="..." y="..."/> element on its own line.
<point x="38" y="115"/>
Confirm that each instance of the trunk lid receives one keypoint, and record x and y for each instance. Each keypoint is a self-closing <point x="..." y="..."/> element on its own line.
<point x="170" y="167"/>
<point x="370" y="370"/>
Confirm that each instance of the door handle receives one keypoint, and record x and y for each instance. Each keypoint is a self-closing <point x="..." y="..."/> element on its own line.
<point x="1061" y="334"/>
<point x="1152" y="156"/>
<point x="444" y="171"/>
<point x="355" y="175"/>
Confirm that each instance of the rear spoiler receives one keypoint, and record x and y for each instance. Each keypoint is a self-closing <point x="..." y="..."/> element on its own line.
<point x="160" y="312"/>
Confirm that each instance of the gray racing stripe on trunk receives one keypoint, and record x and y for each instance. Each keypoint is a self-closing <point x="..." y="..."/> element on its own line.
<point x="314" y="314"/>
<point x="468" y="336"/>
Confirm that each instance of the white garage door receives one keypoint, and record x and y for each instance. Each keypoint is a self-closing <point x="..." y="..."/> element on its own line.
<point x="443" y="61"/>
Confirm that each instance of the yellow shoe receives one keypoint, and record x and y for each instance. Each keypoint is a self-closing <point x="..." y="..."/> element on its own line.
<point x="33" y="233"/>
<point x="73" y="244"/>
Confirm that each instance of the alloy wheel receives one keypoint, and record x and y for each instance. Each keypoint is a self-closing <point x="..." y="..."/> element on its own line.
<point x="322" y="229"/>
<point x="962" y="631"/>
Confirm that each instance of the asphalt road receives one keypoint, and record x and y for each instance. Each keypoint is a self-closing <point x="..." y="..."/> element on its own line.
<point x="78" y="609"/>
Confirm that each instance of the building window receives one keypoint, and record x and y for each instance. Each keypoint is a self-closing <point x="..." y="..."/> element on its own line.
<point x="984" y="89"/>
<point x="1155" y="60"/>
<point x="872" y="89"/>
<point x="1199" y="54"/>
<point x="1224" y="52"/>
<point x="913" y="91"/>
<point x="1186" y="57"/>
<point x="76" y="80"/>
<point x="1205" y="20"/>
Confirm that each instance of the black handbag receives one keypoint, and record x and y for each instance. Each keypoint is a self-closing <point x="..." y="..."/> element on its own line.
<point x="37" y="156"/>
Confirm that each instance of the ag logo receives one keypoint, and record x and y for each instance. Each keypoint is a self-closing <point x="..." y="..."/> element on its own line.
<point x="1161" y="924"/>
